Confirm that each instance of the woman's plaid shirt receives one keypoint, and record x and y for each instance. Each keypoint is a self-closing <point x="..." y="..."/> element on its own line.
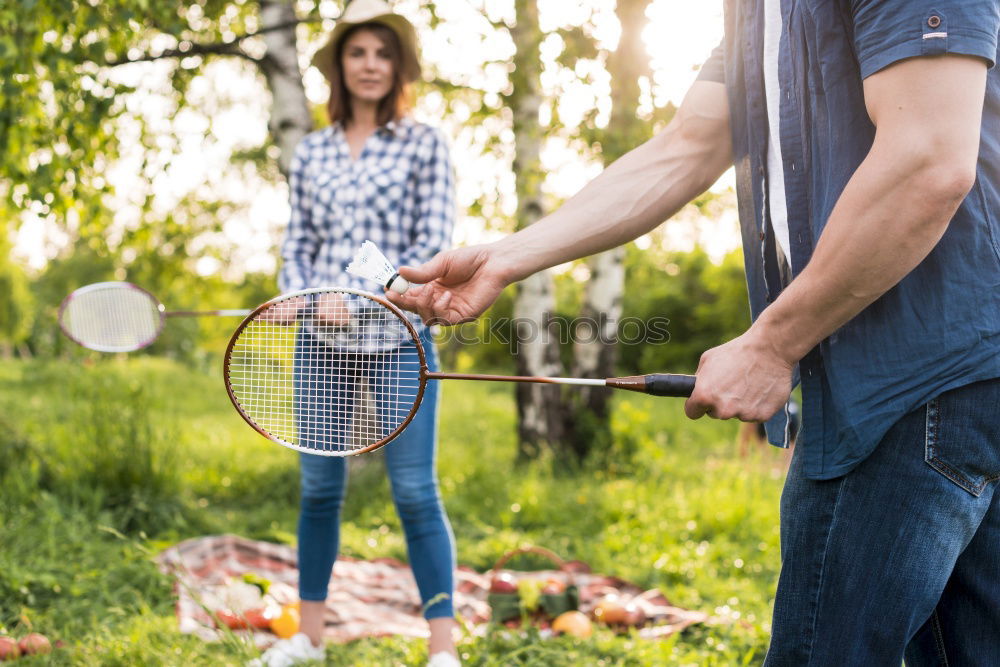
<point x="399" y="194"/>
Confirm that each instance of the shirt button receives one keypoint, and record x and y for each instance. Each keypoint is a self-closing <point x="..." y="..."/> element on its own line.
<point x="934" y="21"/>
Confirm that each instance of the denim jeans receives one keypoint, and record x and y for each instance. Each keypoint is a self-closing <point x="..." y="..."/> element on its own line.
<point x="410" y="461"/>
<point x="901" y="556"/>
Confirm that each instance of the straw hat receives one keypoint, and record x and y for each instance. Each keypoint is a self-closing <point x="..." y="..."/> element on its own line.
<point x="371" y="11"/>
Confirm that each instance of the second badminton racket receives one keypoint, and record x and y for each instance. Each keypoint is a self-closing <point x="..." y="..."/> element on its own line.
<point x="119" y="316"/>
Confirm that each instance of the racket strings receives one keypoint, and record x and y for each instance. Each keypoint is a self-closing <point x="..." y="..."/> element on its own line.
<point x="326" y="384"/>
<point x="112" y="318"/>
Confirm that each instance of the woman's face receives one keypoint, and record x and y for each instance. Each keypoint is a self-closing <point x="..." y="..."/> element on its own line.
<point x="367" y="67"/>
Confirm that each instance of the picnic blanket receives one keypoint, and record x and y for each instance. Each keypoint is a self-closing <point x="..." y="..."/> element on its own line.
<point x="370" y="598"/>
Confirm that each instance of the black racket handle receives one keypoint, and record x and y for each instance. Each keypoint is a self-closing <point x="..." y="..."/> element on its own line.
<point x="656" y="384"/>
<point x="666" y="384"/>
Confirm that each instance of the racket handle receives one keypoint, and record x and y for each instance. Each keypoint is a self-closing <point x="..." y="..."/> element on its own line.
<point x="656" y="384"/>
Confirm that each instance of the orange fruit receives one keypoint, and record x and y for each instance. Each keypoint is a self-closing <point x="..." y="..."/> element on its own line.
<point x="286" y="623"/>
<point x="573" y="623"/>
<point x="610" y="610"/>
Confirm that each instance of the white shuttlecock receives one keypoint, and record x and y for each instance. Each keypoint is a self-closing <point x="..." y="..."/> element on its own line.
<point x="371" y="264"/>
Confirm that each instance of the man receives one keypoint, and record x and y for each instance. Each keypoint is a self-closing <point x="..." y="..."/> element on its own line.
<point x="866" y="140"/>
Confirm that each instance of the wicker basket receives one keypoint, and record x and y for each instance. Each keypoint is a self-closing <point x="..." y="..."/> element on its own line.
<point x="508" y="606"/>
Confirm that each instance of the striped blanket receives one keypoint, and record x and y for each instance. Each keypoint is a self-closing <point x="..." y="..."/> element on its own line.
<point x="369" y="598"/>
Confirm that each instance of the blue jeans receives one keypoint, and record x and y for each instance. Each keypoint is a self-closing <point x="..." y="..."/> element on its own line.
<point x="901" y="556"/>
<point x="410" y="460"/>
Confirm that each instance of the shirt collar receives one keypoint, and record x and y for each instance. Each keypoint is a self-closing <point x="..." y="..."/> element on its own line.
<point x="394" y="125"/>
<point x="390" y="128"/>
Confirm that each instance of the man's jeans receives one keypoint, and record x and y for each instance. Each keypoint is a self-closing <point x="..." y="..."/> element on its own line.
<point x="902" y="554"/>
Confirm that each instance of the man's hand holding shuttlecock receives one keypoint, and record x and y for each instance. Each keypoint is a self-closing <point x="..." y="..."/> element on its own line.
<point x="455" y="286"/>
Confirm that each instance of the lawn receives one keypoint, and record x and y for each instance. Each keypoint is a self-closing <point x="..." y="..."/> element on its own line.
<point x="104" y="463"/>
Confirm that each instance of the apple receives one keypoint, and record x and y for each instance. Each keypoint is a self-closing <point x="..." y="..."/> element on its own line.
<point x="553" y="587"/>
<point x="9" y="650"/>
<point x="230" y="620"/>
<point x="35" y="644"/>
<point x="634" y="615"/>
<point x="260" y="618"/>
<point x="573" y="623"/>
<point x="504" y="582"/>
<point x="610" y="610"/>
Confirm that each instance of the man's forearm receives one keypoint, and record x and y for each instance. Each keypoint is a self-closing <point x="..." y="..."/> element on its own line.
<point x="633" y="195"/>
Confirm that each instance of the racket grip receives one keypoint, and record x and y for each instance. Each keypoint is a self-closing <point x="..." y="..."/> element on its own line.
<point x="655" y="384"/>
<point x="666" y="384"/>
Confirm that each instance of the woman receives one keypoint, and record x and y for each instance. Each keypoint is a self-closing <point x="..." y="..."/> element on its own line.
<point x="372" y="174"/>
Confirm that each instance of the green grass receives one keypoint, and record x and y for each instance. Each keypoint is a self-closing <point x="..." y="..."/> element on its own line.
<point x="102" y="465"/>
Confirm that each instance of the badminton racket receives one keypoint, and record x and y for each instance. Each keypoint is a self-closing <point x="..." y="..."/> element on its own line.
<point x="322" y="371"/>
<point x="119" y="316"/>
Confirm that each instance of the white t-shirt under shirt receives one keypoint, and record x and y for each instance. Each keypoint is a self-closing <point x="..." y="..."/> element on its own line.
<point x="772" y="89"/>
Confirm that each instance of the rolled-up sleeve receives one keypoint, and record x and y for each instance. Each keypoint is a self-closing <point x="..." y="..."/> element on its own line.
<point x="713" y="69"/>
<point x="301" y="243"/>
<point x="887" y="31"/>
<point x="435" y="202"/>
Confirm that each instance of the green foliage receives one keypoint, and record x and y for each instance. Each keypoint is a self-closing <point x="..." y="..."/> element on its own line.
<point x="16" y="307"/>
<point x="706" y="305"/>
<point x="578" y="44"/>
<point x="673" y="511"/>
<point x="64" y="110"/>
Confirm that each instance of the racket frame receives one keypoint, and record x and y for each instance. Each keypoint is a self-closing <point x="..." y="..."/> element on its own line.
<point x="422" y="383"/>
<point x="115" y="284"/>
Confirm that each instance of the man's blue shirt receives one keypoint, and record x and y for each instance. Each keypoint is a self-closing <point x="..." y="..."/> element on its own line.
<point x="939" y="328"/>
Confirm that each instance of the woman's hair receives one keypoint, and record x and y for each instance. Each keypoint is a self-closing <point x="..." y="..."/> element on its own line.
<point x="396" y="102"/>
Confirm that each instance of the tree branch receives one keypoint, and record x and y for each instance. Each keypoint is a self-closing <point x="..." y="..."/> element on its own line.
<point x="220" y="48"/>
<point x="498" y="25"/>
<point x="446" y="84"/>
<point x="226" y="48"/>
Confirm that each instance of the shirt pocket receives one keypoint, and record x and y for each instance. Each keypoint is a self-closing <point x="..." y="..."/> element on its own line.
<point x="385" y="194"/>
<point x="325" y="207"/>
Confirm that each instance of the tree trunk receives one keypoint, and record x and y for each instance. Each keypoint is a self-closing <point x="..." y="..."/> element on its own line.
<point x="290" y="119"/>
<point x="537" y="352"/>
<point x="595" y="347"/>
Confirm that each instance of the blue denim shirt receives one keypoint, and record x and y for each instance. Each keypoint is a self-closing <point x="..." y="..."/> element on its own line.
<point x="939" y="328"/>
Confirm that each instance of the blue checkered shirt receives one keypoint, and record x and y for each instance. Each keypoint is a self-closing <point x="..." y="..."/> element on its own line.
<point x="399" y="194"/>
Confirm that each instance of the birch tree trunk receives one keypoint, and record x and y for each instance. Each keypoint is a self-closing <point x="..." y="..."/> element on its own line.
<point x="289" y="120"/>
<point x="595" y="347"/>
<point x="539" y="411"/>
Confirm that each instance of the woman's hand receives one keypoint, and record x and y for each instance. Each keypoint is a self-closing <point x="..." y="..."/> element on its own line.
<point x="331" y="310"/>
<point x="283" y="313"/>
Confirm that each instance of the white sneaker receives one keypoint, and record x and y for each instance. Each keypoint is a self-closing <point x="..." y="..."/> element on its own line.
<point x="288" y="652"/>
<point x="443" y="659"/>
